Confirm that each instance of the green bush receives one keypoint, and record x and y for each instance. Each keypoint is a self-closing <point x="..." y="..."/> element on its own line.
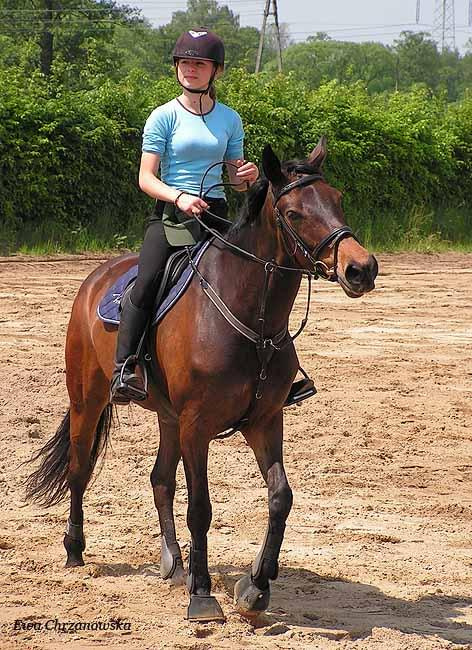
<point x="69" y="159"/>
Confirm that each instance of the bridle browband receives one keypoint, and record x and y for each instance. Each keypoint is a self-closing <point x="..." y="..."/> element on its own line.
<point x="300" y="182"/>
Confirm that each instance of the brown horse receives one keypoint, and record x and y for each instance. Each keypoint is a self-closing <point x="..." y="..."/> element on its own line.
<point x="208" y="370"/>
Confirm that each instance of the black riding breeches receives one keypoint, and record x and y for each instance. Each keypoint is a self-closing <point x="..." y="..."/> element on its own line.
<point x="155" y="250"/>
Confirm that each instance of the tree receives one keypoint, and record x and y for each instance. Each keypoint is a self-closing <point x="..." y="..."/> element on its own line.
<point x="271" y="47"/>
<point x="321" y="59"/>
<point x="319" y="36"/>
<point x="138" y="48"/>
<point x="451" y="74"/>
<point x="64" y="29"/>
<point x="418" y="60"/>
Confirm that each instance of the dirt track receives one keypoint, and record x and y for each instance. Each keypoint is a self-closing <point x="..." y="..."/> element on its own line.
<point x="378" y="548"/>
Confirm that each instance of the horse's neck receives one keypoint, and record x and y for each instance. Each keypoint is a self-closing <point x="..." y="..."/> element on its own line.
<point x="240" y="282"/>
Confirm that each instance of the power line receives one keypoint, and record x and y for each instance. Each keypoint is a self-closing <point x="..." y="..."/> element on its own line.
<point x="21" y="23"/>
<point x="73" y="10"/>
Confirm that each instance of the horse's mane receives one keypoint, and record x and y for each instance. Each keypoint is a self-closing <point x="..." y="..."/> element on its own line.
<point x="252" y="207"/>
<point x="256" y="196"/>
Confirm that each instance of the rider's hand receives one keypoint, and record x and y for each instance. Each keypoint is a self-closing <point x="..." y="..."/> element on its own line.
<point x="247" y="172"/>
<point x="191" y="205"/>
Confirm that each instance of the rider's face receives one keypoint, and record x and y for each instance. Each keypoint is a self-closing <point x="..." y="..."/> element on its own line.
<point x="195" y="73"/>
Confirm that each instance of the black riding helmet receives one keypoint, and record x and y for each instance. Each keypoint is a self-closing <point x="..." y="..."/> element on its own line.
<point x="199" y="44"/>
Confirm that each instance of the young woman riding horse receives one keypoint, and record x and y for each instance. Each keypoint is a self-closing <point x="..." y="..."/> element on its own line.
<point x="221" y="354"/>
<point x="185" y="136"/>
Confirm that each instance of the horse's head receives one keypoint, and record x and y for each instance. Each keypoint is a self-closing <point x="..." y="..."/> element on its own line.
<point x="311" y="221"/>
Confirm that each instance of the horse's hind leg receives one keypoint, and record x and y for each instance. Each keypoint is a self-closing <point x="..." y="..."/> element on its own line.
<point x="252" y="592"/>
<point x="163" y="485"/>
<point x="90" y="421"/>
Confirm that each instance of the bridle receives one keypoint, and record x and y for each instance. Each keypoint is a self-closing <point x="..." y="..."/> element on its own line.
<point x="332" y="240"/>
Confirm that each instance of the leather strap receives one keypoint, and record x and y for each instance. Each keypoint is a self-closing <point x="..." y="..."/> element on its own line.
<point x="300" y="182"/>
<point x="229" y="316"/>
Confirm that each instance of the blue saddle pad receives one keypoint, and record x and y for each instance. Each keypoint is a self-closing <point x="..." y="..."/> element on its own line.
<point x="108" y="309"/>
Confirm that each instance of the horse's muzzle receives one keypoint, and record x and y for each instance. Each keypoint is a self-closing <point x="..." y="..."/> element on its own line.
<point x="359" y="278"/>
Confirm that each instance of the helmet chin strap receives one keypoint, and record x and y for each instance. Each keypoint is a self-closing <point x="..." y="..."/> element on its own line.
<point x="198" y="91"/>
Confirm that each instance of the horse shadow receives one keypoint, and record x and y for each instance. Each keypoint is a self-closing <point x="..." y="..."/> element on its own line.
<point x="333" y="607"/>
<point x="337" y="608"/>
<point x="121" y="569"/>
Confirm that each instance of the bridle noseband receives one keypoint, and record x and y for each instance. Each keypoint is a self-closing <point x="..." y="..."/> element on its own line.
<point x="333" y="239"/>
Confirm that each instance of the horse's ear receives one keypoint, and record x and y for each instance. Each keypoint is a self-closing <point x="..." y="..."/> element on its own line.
<point x="318" y="155"/>
<point x="271" y="166"/>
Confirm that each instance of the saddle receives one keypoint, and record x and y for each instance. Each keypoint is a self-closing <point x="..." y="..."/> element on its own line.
<point x="176" y="278"/>
<point x="172" y="272"/>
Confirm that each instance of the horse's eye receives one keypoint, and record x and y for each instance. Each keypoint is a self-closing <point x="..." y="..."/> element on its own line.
<point x="291" y="214"/>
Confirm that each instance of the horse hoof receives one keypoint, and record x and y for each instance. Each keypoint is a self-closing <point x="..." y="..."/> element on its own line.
<point x="74" y="548"/>
<point x="178" y="577"/>
<point x="171" y="565"/>
<point x="204" y="609"/>
<point x="249" y="599"/>
<point x="74" y="560"/>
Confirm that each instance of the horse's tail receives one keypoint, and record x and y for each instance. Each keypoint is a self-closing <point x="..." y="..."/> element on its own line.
<point x="48" y="485"/>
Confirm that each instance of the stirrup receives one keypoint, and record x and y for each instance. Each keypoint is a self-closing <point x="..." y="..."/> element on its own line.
<point x="123" y="390"/>
<point x="302" y="389"/>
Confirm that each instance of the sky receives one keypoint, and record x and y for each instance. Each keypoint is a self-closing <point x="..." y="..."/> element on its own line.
<point x="361" y="20"/>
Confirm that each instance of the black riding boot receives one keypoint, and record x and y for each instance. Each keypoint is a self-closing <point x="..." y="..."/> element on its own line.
<point x="126" y="385"/>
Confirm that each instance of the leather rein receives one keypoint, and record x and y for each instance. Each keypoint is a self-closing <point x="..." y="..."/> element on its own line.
<point x="333" y="239"/>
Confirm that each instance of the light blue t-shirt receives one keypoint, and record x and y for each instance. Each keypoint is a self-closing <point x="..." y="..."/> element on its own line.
<point x="187" y="145"/>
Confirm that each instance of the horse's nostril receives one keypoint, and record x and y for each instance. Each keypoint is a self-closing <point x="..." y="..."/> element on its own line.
<point x="353" y="274"/>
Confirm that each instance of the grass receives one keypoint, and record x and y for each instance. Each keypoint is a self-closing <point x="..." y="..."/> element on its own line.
<point x="50" y="238"/>
<point x="420" y="230"/>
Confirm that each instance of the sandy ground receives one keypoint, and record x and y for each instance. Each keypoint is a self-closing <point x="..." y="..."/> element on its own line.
<point x="378" y="547"/>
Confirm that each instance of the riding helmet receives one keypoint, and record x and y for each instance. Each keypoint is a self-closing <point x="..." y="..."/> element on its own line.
<point x="199" y="44"/>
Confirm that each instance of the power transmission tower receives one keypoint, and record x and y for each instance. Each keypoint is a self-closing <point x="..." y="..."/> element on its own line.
<point x="444" y="29"/>
<point x="267" y="12"/>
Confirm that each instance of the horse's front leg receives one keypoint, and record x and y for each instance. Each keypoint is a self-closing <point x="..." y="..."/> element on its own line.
<point x="163" y="485"/>
<point x="252" y="592"/>
<point x="194" y="446"/>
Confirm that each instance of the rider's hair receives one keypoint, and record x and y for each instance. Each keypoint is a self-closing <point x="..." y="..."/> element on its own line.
<point x="212" y="91"/>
